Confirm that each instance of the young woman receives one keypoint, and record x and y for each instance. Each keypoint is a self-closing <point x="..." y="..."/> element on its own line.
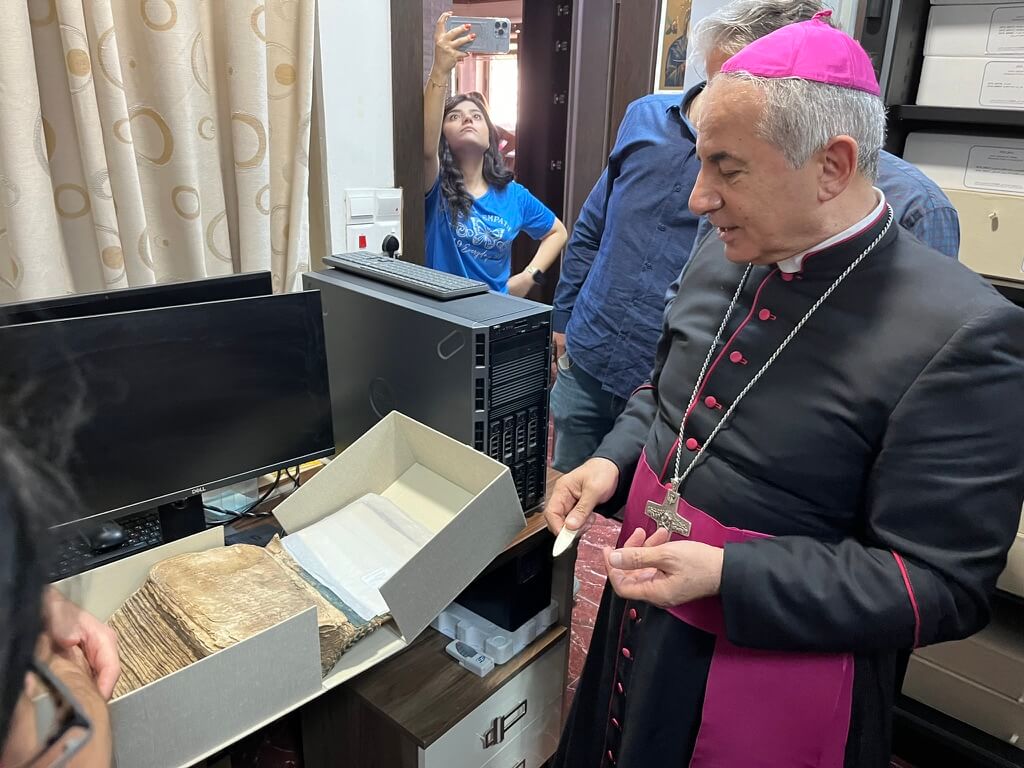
<point x="474" y="208"/>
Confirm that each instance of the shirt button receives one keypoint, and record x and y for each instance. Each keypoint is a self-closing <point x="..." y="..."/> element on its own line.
<point x="611" y="757"/>
<point x="627" y="653"/>
<point x="787" y="276"/>
<point x="620" y="689"/>
<point x="632" y="614"/>
<point x="692" y="444"/>
<point x="661" y="227"/>
<point x="766" y="314"/>
<point x="710" y="401"/>
<point x="678" y="187"/>
<point x="736" y="357"/>
<point x="617" y="724"/>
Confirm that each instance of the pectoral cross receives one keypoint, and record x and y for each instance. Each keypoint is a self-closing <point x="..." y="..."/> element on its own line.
<point x="665" y="514"/>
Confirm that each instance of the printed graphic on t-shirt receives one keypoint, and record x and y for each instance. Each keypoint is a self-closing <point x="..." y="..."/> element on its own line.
<point x="483" y="237"/>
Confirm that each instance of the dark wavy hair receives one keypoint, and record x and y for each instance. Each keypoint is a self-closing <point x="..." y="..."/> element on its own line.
<point x="26" y="498"/>
<point x="453" y="186"/>
<point x="34" y="495"/>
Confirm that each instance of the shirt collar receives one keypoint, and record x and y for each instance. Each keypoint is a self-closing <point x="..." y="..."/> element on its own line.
<point x="795" y="263"/>
<point x="684" y="103"/>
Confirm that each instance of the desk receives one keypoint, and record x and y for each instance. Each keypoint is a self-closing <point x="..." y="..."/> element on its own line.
<point x="421" y="703"/>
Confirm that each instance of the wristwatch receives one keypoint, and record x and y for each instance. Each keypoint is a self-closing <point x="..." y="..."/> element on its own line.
<point x="536" y="274"/>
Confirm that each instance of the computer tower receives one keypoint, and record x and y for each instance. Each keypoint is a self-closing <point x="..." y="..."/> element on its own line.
<point x="475" y="368"/>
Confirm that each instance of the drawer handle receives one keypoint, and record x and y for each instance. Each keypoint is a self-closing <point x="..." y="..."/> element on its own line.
<point x="500" y="726"/>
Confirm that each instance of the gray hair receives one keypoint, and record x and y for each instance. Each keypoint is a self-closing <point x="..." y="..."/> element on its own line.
<point x="733" y="27"/>
<point x="801" y="116"/>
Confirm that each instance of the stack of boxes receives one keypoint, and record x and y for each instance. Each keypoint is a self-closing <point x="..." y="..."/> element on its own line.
<point x="974" y="56"/>
<point x="974" y="59"/>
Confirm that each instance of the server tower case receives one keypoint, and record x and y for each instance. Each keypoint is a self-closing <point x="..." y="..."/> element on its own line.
<point x="475" y="368"/>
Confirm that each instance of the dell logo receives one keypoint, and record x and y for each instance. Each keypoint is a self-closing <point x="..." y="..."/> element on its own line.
<point x="196" y="491"/>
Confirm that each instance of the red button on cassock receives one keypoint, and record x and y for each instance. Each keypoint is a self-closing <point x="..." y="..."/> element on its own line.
<point x="692" y="444"/>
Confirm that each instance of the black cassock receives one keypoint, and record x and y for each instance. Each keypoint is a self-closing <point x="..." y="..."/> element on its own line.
<point x="883" y="453"/>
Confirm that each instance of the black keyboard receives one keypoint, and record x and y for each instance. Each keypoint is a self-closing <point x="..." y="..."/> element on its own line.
<point x="404" y="274"/>
<point x="75" y="554"/>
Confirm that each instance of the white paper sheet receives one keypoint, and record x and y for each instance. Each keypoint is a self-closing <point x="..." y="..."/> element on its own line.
<point x="357" y="549"/>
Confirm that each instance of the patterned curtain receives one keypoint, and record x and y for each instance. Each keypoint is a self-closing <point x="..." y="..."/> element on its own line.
<point x="146" y="141"/>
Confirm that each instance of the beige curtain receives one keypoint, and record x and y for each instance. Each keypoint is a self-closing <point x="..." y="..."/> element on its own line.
<point x="146" y="141"/>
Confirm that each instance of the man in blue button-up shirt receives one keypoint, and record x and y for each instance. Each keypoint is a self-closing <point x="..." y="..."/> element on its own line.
<point x="635" y="233"/>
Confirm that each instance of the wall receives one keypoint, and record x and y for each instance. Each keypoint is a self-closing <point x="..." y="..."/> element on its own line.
<point x="505" y="9"/>
<point x="357" y="136"/>
<point x="431" y="10"/>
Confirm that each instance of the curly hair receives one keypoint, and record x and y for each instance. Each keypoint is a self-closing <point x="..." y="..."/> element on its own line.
<point x="453" y="186"/>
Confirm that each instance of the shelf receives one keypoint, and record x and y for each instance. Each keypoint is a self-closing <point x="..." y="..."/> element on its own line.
<point x="989" y="118"/>
<point x="925" y="736"/>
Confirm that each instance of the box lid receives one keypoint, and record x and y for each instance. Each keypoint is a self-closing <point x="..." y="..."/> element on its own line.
<point x="467" y="498"/>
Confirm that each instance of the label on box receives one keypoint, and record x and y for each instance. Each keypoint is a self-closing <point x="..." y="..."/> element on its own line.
<point x="1000" y="169"/>
<point x="1003" y="85"/>
<point x="1006" y="32"/>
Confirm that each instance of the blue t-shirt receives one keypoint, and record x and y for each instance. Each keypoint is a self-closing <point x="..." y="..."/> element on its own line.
<point x="479" y="246"/>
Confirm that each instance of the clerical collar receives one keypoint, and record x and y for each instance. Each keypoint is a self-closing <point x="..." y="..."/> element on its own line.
<point x="796" y="263"/>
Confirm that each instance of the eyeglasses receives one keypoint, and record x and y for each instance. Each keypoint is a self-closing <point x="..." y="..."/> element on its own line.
<point x="61" y="724"/>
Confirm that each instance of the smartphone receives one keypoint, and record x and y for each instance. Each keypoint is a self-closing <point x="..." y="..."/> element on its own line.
<point x="491" y="33"/>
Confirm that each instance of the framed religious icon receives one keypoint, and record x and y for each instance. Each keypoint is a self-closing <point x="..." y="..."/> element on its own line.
<point x="672" y="45"/>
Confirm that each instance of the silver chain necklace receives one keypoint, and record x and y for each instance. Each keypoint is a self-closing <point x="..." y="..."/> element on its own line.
<point x="665" y="513"/>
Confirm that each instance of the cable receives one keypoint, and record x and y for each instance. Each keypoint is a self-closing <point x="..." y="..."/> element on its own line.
<point x="250" y="510"/>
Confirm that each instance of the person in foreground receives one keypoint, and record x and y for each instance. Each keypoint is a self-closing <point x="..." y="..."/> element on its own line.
<point x="825" y="470"/>
<point x="474" y="209"/>
<point x="47" y="644"/>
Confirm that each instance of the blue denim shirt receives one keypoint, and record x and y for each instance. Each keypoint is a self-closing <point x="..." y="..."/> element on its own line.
<point x="632" y="238"/>
<point x="635" y="234"/>
<point x="918" y="204"/>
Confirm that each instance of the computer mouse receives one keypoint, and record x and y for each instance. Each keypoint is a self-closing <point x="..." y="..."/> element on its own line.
<point x="107" y="536"/>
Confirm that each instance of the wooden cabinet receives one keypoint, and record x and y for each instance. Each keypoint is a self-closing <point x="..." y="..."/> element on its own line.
<point x="420" y="709"/>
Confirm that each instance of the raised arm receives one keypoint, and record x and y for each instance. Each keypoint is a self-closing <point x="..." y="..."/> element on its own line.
<point x="447" y="53"/>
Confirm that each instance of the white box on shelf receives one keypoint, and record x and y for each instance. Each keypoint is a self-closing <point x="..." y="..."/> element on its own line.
<point x="972" y="82"/>
<point x="975" y="30"/>
<point x="984" y="178"/>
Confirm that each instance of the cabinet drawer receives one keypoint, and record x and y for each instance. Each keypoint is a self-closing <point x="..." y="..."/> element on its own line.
<point x="993" y="658"/>
<point x="535" y="744"/>
<point x="527" y="698"/>
<point x="983" y="708"/>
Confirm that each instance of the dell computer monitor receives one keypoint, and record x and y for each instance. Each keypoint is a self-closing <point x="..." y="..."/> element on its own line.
<point x="168" y="403"/>
<point x="143" y="297"/>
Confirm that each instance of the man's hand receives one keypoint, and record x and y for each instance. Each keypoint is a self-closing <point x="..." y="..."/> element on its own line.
<point x="578" y="492"/>
<point x="662" y="572"/>
<point x="70" y="627"/>
<point x="558" y="340"/>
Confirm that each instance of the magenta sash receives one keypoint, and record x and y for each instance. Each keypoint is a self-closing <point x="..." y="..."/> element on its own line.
<point x="762" y="709"/>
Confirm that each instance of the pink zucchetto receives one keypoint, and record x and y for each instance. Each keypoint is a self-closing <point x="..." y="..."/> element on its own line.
<point x="808" y="50"/>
